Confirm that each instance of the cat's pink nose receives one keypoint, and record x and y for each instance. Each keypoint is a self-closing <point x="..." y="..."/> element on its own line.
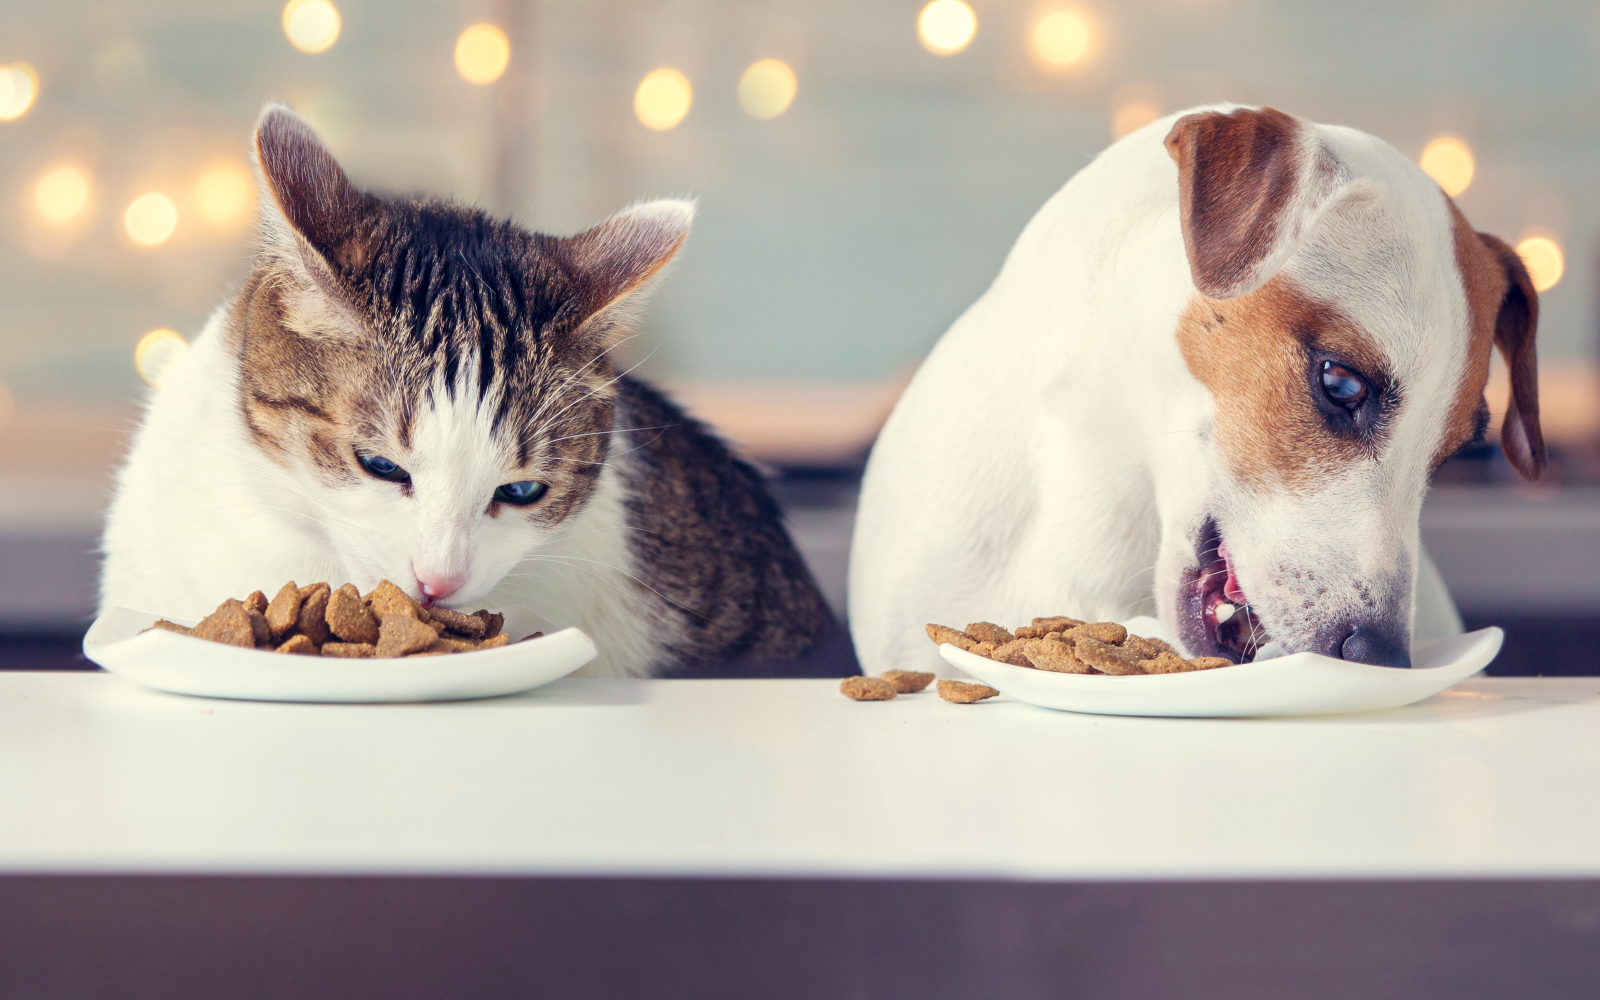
<point x="437" y="588"/>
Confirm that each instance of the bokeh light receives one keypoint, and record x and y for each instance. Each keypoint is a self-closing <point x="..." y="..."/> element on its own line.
<point x="1448" y="160"/>
<point x="946" y="26"/>
<point x="150" y="219"/>
<point x="482" y="54"/>
<point x="62" y="193"/>
<point x="1132" y="115"/>
<point x="311" y="25"/>
<point x="19" y="85"/>
<point x="1543" y="258"/>
<point x="223" y="193"/>
<point x="767" y="88"/>
<point x="1062" y="38"/>
<point x="123" y="65"/>
<point x="663" y="98"/>
<point x="157" y="353"/>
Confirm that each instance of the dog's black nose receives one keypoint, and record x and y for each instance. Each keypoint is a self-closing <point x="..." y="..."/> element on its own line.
<point x="1377" y="645"/>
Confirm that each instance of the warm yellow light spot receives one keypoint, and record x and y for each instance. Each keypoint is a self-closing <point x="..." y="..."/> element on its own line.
<point x="1542" y="256"/>
<point x="312" y="25"/>
<point x="150" y="219"/>
<point x="1448" y="160"/>
<point x="663" y="98"/>
<point x="1062" y="38"/>
<point x="157" y="353"/>
<point x="61" y="194"/>
<point x="223" y="193"/>
<point x="482" y="54"/>
<point x="19" y="85"/>
<point x="946" y="26"/>
<point x="767" y="88"/>
<point x="1130" y="116"/>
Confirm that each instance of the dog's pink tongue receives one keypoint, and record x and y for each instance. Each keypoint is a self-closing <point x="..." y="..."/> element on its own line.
<point x="1231" y="589"/>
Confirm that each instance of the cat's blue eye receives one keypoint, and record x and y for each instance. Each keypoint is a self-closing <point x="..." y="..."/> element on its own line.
<point x="1343" y="386"/>
<point x="525" y="492"/>
<point x="383" y="468"/>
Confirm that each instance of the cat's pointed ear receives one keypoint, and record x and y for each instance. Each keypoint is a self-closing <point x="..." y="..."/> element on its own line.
<point x="620" y="255"/>
<point x="307" y="201"/>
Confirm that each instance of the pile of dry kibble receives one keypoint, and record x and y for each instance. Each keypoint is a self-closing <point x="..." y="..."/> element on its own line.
<point x="316" y="620"/>
<point x="1068" y="646"/>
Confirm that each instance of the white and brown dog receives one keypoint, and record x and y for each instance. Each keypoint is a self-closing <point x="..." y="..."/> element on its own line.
<point x="1212" y="382"/>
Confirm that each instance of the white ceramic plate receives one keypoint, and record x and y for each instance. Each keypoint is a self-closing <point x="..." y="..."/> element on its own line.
<point x="1297" y="684"/>
<point x="185" y="665"/>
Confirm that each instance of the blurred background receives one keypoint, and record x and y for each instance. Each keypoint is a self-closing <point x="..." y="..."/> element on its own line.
<point x="862" y="168"/>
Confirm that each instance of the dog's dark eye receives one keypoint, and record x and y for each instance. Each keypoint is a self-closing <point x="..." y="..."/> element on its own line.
<point x="1343" y="386"/>
<point x="521" y="494"/>
<point x="1352" y="403"/>
<point x="381" y="468"/>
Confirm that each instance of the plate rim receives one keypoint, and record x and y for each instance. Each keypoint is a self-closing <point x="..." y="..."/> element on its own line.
<point x="127" y="657"/>
<point x="1001" y="674"/>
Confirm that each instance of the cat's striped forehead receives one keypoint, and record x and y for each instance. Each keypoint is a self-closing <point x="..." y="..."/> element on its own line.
<point x="433" y="309"/>
<point x="432" y="300"/>
<point x="366" y="314"/>
<point x="456" y="303"/>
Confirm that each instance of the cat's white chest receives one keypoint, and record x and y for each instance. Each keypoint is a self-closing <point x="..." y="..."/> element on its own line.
<point x="199" y="515"/>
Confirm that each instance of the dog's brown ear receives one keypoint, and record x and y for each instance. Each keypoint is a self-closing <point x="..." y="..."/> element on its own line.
<point x="1514" y="328"/>
<point x="1251" y="182"/>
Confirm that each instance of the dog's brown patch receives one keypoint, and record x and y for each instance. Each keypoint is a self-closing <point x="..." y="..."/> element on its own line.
<point x="1485" y="283"/>
<point x="1253" y="353"/>
<point x="1502" y="310"/>
<point x="1514" y="329"/>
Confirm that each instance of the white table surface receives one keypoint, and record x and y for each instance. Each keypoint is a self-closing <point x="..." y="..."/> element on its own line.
<point x="1497" y="777"/>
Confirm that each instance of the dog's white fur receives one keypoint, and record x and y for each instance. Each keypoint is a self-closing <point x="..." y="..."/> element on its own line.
<point x="1054" y="454"/>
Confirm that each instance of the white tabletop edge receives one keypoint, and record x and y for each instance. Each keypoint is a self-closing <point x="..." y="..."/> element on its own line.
<point x="786" y="779"/>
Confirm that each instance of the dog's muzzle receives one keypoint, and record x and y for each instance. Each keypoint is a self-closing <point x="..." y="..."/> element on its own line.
<point x="1380" y="641"/>
<point x="1215" y="617"/>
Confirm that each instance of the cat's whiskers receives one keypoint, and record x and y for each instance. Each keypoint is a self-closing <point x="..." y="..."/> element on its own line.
<point x="614" y="430"/>
<point x="257" y="505"/>
<point x="609" y="581"/>
<point x="290" y="486"/>
<point x="596" y="531"/>
<point x="610" y="457"/>
<point x="641" y="445"/>
<point x="539" y="557"/>
<point x="563" y="578"/>
<point x="330" y="513"/>
<point x="540" y="429"/>
<point x="553" y="396"/>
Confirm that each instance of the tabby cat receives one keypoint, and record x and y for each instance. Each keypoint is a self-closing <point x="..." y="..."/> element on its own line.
<point x="413" y="390"/>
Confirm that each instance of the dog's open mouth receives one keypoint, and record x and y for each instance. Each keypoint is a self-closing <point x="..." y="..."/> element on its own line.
<point x="1220" y="620"/>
